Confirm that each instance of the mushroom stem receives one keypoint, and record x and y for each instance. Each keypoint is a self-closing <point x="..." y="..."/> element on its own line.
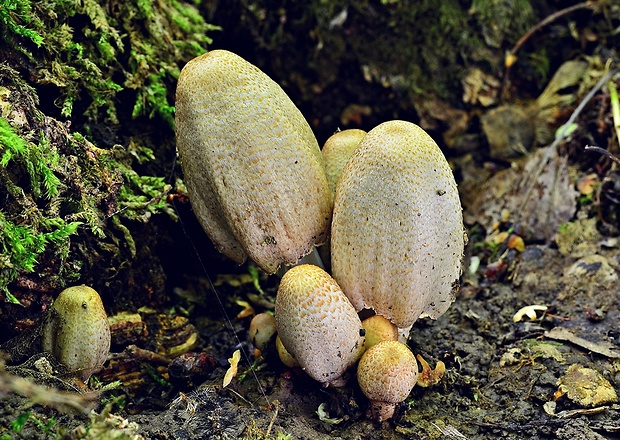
<point x="381" y="411"/>
<point x="313" y="258"/>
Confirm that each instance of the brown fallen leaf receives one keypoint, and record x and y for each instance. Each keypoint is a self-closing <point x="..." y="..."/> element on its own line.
<point x="586" y="387"/>
<point x="539" y="194"/>
<point x="603" y="348"/>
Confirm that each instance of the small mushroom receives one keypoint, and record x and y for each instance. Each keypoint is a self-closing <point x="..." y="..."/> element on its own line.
<point x="397" y="233"/>
<point x="262" y="329"/>
<point x="252" y="165"/>
<point x="386" y="374"/>
<point x="317" y="324"/>
<point x="378" y="329"/>
<point x="76" y="331"/>
<point x="337" y="151"/>
<point x="285" y="357"/>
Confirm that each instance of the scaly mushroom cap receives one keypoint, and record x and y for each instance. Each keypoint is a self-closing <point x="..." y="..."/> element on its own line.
<point x="397" y="232"/>
<point x="317" y="324"/>
<point x="386" y="374"/>
<point x="77" y="331"/>
<point x="337" y="151"/>
<point x="251" y="163"/>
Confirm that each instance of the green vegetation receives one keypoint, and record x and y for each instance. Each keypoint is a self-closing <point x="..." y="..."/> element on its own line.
<point x="91" y="52"/>
<point x="22" y="243"/>
<point x="71" y="201"/>
<point x="49" y="427"/>
<point x="12" y="14"/>
<point x="37" y="160"/>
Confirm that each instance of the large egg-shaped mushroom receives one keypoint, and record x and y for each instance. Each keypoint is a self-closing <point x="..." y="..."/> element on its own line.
<point x="252" y="165"/>
<point x="397" y="231"/>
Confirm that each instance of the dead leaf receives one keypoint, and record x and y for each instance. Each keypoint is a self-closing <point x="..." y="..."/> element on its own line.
<point x="429" y="377"/>
<point x="529" y="311"/>
<point x="232" y="370"/>
<point x="588" y="184"/>
<point x="539" y="194"/>
<point x="247" y="311"/>
<point x="586" y="387"/>
<point x="480" y="88"/>
<point x="324" y="416"/>
<point x="602" y="348"/>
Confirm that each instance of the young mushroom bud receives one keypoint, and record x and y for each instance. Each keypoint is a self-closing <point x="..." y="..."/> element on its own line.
<point x="317" y="324"/>
<point x="252" y="165"/>
<point x="76" y="331"/>
<point x="378" y="329"/>
<point x="337" y="151"/>
<point x="397" y="232"/>
<point x="386" y="375"/>
<point x="285" y="357"/>
<point x="262" y="330"/>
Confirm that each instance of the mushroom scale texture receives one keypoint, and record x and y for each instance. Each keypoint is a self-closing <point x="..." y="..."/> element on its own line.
<point x="397" y="232"/>
<point x="386" y="373"/>
<point x="317" y="324"/>
<point x="77" y="332"/>
<point x="252" y="165"/>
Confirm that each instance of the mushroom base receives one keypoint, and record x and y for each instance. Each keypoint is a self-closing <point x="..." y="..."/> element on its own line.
<point x="381" y="411"/>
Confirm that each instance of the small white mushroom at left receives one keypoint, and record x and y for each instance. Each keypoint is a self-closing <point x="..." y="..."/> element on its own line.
<point x="77" y="332"/>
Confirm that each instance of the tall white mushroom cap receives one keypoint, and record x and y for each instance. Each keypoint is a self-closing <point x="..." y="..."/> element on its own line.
<point x="252" y="165"/>
<point x="397" y="231"/>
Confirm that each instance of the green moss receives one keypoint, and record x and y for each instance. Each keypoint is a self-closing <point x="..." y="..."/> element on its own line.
<point x="51" y="182"/>
<point x="36" y="158"/>
<point x="25" y="236"/>
<point x="22" y="245"/>
<point x="92" y="52"/>
<point x="12" y="14"/>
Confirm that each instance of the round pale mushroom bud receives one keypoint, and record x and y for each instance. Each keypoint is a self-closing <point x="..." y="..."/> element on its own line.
<point x="317" y="324"/>
<point x="262" y="329"/>
<point x="378" y="329"/>
<point x="337" y="151"/>
<point x="397" y="232"/>
<point x="386" y="374"/>
<point x="252" y="165"/>
<point x="76" y="331"/>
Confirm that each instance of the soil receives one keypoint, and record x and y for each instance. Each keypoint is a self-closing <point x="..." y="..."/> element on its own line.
<point x="501" y="375"/>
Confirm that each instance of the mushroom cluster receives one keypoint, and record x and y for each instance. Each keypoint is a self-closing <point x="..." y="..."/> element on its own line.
<point x="262" y="189"/>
